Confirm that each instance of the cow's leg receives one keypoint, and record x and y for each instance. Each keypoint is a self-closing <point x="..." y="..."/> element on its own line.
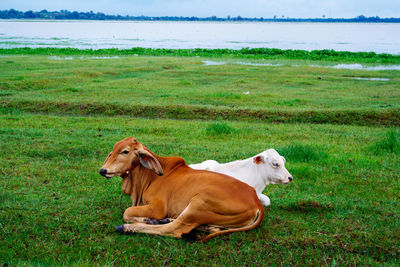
<point x="175" y="228"/>
<point x="200" y="212"/>
<point x="190" y="219"/>
<point x="210" y="228"/>
<point x="264" y="200"/>
<point x="163" y="221"/>
<point x="138" y="219"/>
<point x="155" y="210"/>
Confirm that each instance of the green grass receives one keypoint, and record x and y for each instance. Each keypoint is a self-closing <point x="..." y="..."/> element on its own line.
<point x="56" y="208"/>
<point x="302" y="153"/>
<point x="391" y="143"/>
<point x="183" y="87"/>
<point x="60" y="118"/>
<point x="270" y="53"/>
<point x="219" y="128"/>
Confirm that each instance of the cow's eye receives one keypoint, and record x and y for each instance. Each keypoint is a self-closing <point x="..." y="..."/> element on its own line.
<point x="125" y="152"/>
<point x="275" y="164"/>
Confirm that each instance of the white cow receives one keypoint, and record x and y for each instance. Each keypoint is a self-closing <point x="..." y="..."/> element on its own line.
<point x="259" y="171"/>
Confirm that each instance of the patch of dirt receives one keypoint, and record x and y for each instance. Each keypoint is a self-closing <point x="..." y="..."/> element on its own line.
<point x="308" y="206"/>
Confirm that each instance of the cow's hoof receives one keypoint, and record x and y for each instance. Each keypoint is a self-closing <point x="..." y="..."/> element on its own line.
<point x="119" y="228"/>
<point x="164" y="221"/>
<point x="153" y="221"/>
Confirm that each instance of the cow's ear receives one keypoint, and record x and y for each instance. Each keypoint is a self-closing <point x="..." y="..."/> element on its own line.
<point x="258" y="159"/>
<point x="149" y="161"/>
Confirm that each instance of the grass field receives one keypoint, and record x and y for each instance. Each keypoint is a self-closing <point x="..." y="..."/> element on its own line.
<point x="60" y="117"/>
<point x="185" y="88"/>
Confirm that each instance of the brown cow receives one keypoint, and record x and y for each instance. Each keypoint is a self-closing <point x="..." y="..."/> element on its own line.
<point x="163" y="187"/>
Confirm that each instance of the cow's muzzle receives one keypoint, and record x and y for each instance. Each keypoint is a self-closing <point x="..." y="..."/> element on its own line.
<point x="103" y="172"/>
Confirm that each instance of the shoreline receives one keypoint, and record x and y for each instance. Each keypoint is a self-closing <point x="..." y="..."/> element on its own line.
<point x="200" y="21"/>
<point x="251" y="53"/>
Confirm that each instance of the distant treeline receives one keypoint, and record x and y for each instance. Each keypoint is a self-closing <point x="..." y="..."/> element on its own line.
<point x="65" y="14"/>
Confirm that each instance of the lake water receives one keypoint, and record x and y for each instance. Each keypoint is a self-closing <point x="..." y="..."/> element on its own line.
<point x="376" y="37"/>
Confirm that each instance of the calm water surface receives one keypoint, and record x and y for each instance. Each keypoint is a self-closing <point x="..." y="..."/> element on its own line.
<point x="376" y="37"/>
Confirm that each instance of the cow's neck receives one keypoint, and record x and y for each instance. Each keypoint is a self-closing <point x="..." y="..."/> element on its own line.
<point x="241" y="170"/>
<point x="237" y="166"/>
<point x="262" y="179"/>
<point x="137" y="182"/>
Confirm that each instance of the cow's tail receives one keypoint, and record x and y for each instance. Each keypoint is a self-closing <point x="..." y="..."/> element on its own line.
<point x="256" y="222"/>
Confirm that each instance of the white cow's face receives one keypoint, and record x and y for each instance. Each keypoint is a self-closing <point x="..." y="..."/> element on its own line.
<point x="271" y="166"/>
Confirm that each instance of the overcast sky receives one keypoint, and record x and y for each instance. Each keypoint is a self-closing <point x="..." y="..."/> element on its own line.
<point x="220" y="8"/>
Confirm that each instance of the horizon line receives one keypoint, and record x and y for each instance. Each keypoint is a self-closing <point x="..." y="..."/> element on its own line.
<point x="212" y="17"/>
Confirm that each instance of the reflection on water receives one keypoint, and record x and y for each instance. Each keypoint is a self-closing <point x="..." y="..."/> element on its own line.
<point x="83" y="57"/>
<point x="212" y="63"/>
<point x="257" y="64"/>
<point x="377" y="37"/>
<point x="338" y="66"/>
<point x="361" y="67"/>
<point x="368" y="79"/>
